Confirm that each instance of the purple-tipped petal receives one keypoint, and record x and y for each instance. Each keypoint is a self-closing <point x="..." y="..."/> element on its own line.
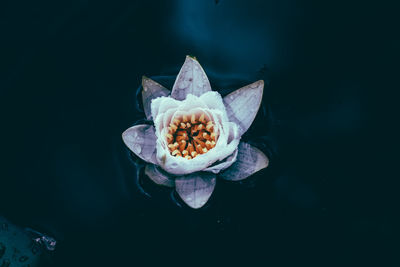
<point x="159" y="177"/>
<point x="242" y="105"/>
<point x="195" y="189"/>
<point x="249" y="161"/>
<point x="191" y="80"/>
<point x="141" y="140"/>
<point x="151" y="90"/>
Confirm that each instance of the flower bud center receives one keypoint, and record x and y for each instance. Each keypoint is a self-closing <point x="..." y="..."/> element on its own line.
<point x="191" y="135"/>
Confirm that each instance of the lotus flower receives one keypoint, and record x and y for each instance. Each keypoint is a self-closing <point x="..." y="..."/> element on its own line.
<point x="196" y="134"/>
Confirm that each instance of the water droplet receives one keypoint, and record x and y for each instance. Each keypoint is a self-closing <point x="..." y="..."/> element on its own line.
<point x="137" y="148"/>
<point x="129" y="138"/>
<point x="183" y="85"/>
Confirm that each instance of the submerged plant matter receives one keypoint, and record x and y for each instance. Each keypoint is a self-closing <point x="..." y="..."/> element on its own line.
<point x="196" y="134"/>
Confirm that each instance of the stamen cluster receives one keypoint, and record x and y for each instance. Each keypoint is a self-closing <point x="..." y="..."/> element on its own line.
<point x="190" y="135"/>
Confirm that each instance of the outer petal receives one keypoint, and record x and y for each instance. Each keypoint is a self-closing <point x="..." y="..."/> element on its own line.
<point x="195" y="189"/>
<point x="213" y="100"/>
<point x="249" y="161"/>
<point x="158" y="176"/>
<point x="151" y="90"/>
<point x="141" y="140"/>
<point x="242" y="105"/>
<point x="191" y="80"/>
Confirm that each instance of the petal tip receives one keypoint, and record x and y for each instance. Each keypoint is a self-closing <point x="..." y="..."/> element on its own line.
<point x="190" y="57"/>
<point x="128" y="136"/>
<point x="145" y="81"/>
<point x="191" y="79"/>
<point x="127" y="141"/>
<point x="243" y="104"/>
<point x="124" y="135"/>
<point x="140" y="139"/>
<point x="262" y="161"/>
<point x="196" y="189"/>
<point x="250" y="160"/>
<point x="259" y="85"/>
<point x="198" y="206"/>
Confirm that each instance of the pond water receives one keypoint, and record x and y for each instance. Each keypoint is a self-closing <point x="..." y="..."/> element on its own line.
<point x="71" y="74"/>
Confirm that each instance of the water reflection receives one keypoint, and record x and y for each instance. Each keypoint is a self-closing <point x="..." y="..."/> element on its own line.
<point x="69" y="93"/>
<point x="199" y="24"/>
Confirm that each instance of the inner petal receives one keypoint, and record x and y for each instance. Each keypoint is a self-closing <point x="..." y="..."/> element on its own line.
<point x="191" y="134"/>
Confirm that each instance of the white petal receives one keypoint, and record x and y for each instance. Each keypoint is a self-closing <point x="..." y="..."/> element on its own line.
<point x="180" y="165"/>
<point x="141" y="140"/>
<point x="225" y="151"/>
<point x="242" y="105"/>
<point x="213" y="100"/>
<point x="151" y="90"/>
<point x="167" y="117"/>
<point x="249" y="161"/>
<point x="192" y="102"/>
<point x="228" y="140"/>
<point x="226" y="163"/>
<point x="190" y="80"/>
<point x="162" y="104"/>
<point x="195" y="189"/>
<point x="158" y="176"/>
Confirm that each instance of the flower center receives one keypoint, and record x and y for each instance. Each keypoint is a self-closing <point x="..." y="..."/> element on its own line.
<point x="191" y="135"/>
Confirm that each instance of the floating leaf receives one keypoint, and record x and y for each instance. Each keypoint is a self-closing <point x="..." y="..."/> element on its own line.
<point x="151" y="90"/>
<point x="141" y="140"/>
<point x="195" y="189"/>
<point x="158" y="176"/>
<point x="242" y="105"/>
<point x="191" y="80"/>
<point x="249" y="161"/>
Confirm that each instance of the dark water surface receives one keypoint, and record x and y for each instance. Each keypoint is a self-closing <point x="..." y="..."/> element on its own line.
<point x="69" y="75"/>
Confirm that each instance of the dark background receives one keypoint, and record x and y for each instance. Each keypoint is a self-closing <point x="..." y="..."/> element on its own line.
<point x="69" y="71"/>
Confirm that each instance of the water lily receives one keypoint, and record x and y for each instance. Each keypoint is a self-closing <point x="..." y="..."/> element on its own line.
<point x="196" y="134"/>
